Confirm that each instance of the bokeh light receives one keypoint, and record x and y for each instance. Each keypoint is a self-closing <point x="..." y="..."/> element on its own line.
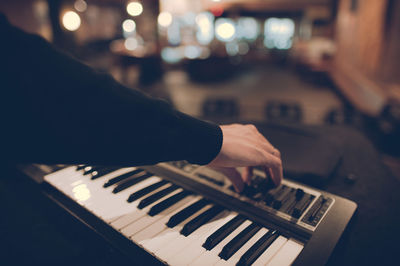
<point x="205" y="28"/>
<point x="225" y="29"/>
<point x="278" y="33"/>
<point x="134" y="8"/>
<point x="164" y="19"/>
<point x="80" y="5"/>
<point x="71" y="21"/>
<point x="131" y="43"/>
<point x="129" y="26"/>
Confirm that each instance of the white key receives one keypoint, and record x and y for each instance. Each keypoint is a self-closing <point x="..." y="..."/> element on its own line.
<point x="63" y="178"/>
<point x="109" y="206"/>
<point x="144" y="236"/>
<point x="170" y="234"/>
<point x="271" y="251"/>
<point x="195" y="249"/>
<point x="94" y="197"/>
<point x="238" y="254"/>
<point x="118" y="205"/>
<point x="210" y="257"/>
<point x="287" y="254"/>
<point x="147" y="220"/>
<point x="60" y="176"/>
<point x="166" y="254"/>
<point x="138" y="213"/>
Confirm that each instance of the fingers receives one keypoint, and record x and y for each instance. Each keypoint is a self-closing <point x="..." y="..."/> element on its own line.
<point x="275" y="174"/>
<point x="233" y="175"/>
<point x="247" y="174"/>
<point x="261" y="140"/>
<point x="273" y="166"/>
<point x="245" y="146"/>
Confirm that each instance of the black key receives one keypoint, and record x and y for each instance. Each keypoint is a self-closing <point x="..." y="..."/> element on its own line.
<point x="301" y="206"/>
<point x="130" y="182"/>
<point x="159" y="207"/>
<point x="238" y="241"/>
<point x="119" y="178"/>
<point x="156" y="196"/>
<point x="102" y="172"/>
<point x="144" y="191"/>
<point x="200" y="220"/>
<point x="186" y="213"/>
<point x="223" y="232"/>
<point x="89" y="169"/>
<point x="258" y="248"/>
<point x="81" y="166"/>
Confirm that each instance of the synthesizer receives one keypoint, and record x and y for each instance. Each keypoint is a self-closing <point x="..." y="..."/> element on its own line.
<point x="177" y="213"/>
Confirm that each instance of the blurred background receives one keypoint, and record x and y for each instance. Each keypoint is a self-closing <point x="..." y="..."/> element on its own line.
<point x="312" y="62"/>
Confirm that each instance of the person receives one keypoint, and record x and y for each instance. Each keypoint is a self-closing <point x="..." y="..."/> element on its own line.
<point x="54" y="109"/>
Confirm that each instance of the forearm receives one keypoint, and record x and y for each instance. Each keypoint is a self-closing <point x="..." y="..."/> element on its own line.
<point x="57" y="110"/>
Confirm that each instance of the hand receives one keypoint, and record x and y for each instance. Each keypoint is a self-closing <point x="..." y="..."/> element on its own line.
<point x="244" y="146"/>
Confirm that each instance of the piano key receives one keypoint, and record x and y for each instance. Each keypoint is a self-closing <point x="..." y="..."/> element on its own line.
<point x="258" y="248"/>
<point x="170" y="234"/>
<point x="271" y="251"/>
<point x="168" y="252"/>
<point x="147" y="234"/>
<point x="210" y="257"/>
<point x="102" y="172"/>
<point x="130" y="182"/>
<point x="239" y="241"/>
<point x="80" y="167"/>
<point x="201" y="220"/>
<point x="287" y="254"/>
<point x="103" y="202"/>
<point x="189" y="211"/>
<point x="156" y="196"/>
<point x="246" y="246"/>
<point x="195" y="249"/>
<point x="90" y="193"/>
<point x="88" y="169"/>
<point x="135" y="213"/>
<point x="146" y="190"/>
<point x="96" y="184"/>
<point x="222" y="232"/>
<point x="156" y="209"/>
<point x="147" y="220"/>
<point x="121" y="177"/>
<point x="62" y="177"/>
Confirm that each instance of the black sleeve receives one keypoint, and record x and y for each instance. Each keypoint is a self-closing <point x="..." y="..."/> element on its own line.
<point x="54" y="109"/>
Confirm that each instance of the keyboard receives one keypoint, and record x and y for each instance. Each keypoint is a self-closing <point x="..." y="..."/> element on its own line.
<point x="177" y="213"/>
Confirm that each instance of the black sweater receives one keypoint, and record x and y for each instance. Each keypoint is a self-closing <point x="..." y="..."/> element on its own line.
<point x="54" y="109"/>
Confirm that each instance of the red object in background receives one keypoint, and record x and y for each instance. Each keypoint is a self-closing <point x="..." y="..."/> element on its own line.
<point x="217" y="11"/>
